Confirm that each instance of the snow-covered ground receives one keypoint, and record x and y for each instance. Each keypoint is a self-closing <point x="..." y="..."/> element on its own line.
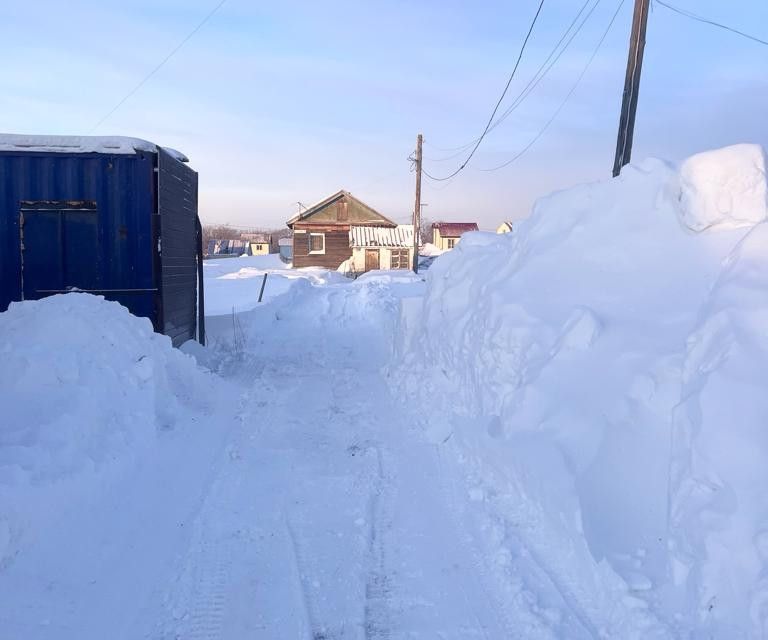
<point x="558" y="435"/>
<point x="230" y="286"/>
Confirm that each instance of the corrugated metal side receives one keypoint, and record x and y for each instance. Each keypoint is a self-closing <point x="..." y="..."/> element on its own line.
<point x="177" y="206"/>
<point x="400" y="236"/>
<point x="122" y="187"/>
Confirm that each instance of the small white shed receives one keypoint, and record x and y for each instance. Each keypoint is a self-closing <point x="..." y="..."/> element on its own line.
<point x="375" y="247"/>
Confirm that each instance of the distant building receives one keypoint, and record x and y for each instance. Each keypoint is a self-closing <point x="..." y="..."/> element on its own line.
<point x="258" y="243"/>
<point x="254" y="245"/>
<point x="504" y="227"/>
<point x="446" y="235"/>
<point x="321" y="234"/>
<point x="381" y="247"/>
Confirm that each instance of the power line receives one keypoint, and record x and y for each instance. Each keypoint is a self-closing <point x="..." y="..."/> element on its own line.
<point x="534" y="82"/>
<point x="565" y="100"/>
<point x="159" y="66"/>
<point x="498" y="103"/>
<point x="693" y="16"/>
<point x="542" y="71"/>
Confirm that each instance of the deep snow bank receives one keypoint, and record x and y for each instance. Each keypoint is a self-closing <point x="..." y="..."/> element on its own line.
<point x="570" y="364"/>
<point x="84" y="388"/>
<point x="725" y="188"/>
<point x="719" y="508"/>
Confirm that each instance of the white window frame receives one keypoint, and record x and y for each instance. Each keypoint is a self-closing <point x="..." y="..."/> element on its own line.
<point x="450" y="243"/>
<point x="318" y="251"/>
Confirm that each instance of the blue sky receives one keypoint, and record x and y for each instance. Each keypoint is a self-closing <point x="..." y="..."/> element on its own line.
<point x="279" y="102"/>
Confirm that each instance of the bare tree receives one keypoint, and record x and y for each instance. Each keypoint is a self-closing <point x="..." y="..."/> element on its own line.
<point x="425" y="230"/>
<point x="277" y="234"/>
<point x="226" y="232"/>
<point x="219" y="232"/>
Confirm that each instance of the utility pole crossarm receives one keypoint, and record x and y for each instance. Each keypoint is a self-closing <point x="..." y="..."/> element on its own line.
<point x="631" y="86"/>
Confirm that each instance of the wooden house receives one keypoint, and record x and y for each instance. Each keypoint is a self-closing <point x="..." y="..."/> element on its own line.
<point x="381" y="247"/>
<point x="446" y="235"/>
<point x="321" y="234"/>
<point x="504" y="227"/>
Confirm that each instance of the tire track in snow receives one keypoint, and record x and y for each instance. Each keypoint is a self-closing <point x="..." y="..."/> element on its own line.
<point x="205" y="609"/>
<point x="197" y="602"/>
<point x="378" y="581"/>
<point x="378" y="578"/>
<point x="310" y="627"/>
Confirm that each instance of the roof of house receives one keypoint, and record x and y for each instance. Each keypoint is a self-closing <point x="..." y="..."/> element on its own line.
<point x="285" y="242"/>
<point x="361" y="212"/>
<point x="399" y="236"/>
<point x="506" y="225"/>
<point x="454" y="229"/>
<point x="116" y="145"/>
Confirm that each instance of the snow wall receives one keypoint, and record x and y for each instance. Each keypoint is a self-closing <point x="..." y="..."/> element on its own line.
<point x="598" y="377"/>
<point x="85" y="389"/>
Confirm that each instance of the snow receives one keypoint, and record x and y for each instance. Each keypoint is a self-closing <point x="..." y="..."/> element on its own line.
<point x="91" y="397"/>
<point x="599" y="371"/>
<point x="718" y="506"/>
<point x="430" y="250"/>
<point x="81" y="144"/>
<point x="724" y="188"/>
<point x="232" y="285"/>
<point x="553" y="433"/>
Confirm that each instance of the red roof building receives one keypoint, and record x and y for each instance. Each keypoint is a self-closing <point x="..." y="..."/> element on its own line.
<point x="446" y="235"/>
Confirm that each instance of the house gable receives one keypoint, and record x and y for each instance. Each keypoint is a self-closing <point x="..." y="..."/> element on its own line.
<point x="342" y="208"/>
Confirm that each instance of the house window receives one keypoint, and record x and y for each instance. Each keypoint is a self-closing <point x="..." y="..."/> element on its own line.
<point x="399" y="259"/>
<point x="450" y="242"/>
<point x="317" y="243"/>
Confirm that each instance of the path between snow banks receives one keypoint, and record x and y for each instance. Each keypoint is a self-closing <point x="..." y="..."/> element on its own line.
<point x="332" y="516"/>
<point x="327" y="518"/>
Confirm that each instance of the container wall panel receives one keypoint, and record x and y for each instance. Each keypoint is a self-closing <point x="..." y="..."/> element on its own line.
<point x="177" y="206"/>
<point x="109" y="248"/>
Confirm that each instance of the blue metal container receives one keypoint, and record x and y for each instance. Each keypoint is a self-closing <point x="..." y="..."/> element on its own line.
<point x="285" y="246"/>
<point x="115" y="217"/>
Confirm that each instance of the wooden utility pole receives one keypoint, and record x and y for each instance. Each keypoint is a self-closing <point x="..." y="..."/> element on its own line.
<point x="631" y="86"/>
<point x="417" y="206"/>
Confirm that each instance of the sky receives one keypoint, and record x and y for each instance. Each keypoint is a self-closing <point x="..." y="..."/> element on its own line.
<point x="277" y="103"/>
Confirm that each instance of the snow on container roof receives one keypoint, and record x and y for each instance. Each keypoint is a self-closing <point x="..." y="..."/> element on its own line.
<point x="399" y="236"/>
<point x="82" y="144"/>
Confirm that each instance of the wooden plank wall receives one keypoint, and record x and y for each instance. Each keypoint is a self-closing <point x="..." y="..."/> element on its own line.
<point x="337" y="248"/>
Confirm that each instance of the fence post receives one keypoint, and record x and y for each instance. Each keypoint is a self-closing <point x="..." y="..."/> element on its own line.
<point x="263" y="282"/>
